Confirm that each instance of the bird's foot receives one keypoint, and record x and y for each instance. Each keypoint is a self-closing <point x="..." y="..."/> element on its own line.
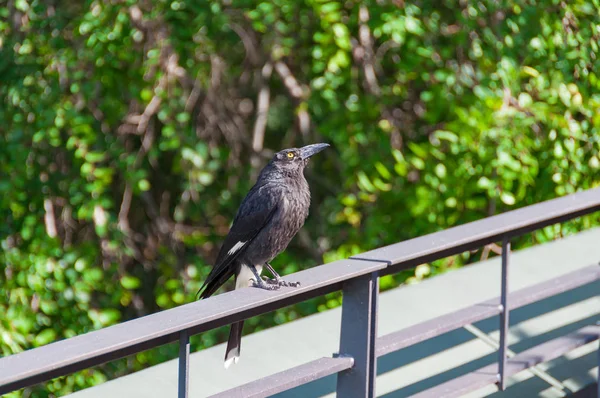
<point x="262" y="285"/>
<point x="278" y="282"/>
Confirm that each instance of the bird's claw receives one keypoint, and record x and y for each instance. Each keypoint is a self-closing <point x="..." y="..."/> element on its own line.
<point x="279" y="282"/>
<point x="262" y="285"/>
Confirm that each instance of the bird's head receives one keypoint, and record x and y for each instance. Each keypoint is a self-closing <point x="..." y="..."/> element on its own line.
<point x="295" y="159"/>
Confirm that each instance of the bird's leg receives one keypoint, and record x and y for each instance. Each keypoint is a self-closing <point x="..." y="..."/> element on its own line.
<point x="258" y="282"/>
<point x="277" y="279"/>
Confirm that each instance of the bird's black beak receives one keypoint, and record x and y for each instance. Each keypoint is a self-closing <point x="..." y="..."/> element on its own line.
<point x="309" y="150"/>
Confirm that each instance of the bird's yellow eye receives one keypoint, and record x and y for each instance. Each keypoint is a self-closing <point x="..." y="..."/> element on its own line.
<point x="290" y="155"/>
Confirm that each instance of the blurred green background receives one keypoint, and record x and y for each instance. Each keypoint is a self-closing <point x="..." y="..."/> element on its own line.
<point x="130" y="131"/>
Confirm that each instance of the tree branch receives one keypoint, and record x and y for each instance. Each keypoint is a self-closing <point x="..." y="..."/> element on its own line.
<point x="262" y="113"/>
<point x="50" y="219"/>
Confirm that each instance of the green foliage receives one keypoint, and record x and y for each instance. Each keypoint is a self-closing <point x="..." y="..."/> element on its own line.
<point x="127" y="128"/>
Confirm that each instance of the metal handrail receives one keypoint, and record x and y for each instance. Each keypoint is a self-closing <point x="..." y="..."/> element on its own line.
<point x="431" y="328"/>
<point x="357" y="277"/>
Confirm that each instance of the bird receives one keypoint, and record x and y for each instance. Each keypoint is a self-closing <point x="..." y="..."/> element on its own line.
<point x="268" y="218"/>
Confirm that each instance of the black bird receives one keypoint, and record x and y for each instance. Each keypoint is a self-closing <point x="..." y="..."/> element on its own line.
<point x="270" y="215"/>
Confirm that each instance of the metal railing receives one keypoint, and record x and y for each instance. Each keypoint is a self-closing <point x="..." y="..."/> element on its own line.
<point x="358" y="278"/>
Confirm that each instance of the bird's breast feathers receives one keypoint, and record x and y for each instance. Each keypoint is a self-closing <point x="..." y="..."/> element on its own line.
<point x="295" y="209"/>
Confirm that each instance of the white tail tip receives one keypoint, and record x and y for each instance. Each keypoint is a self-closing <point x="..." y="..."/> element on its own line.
<point x="231" y="360"/>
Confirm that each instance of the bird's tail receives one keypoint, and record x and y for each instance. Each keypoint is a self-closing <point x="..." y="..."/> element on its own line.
<point x="232" y="355"/>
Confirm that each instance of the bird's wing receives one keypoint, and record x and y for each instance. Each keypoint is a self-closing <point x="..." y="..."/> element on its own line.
<point x="254" y="214"/>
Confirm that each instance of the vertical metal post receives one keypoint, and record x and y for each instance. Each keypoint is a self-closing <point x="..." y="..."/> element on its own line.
<point x="504" y="320"/>
<point x="598" y="377"/>
<point x="184" y="363"/>
<point x="358" y="336"/>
